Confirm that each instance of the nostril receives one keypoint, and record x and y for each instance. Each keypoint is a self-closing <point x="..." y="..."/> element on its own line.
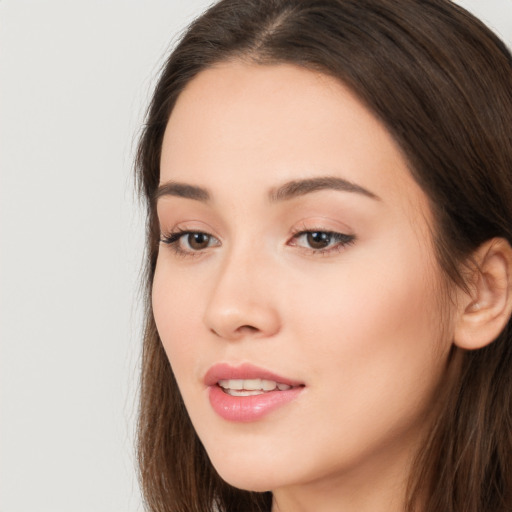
<point x="243" y="329"/>
<point x="247" y="328"/>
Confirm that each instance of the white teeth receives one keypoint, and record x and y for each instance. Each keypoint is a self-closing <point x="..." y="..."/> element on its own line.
<point x="265" y="385"/>
<point x="231" y="384"/>
<point x="236" y="392"/>
<point x="248" y="387"/>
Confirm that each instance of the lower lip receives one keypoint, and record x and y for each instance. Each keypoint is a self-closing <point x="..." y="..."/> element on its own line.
<point x="245" y="409"/>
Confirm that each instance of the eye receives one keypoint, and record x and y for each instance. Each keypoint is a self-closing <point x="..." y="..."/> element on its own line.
<point x="321" y="241"/>
<point x="318" y="239"/>
<point x="197" y="241"/>
<point x="188" y="242"/>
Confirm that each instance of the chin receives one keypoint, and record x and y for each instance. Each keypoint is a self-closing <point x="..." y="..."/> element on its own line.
<point x="254" y="483"/>
<point x="256" y="479"/>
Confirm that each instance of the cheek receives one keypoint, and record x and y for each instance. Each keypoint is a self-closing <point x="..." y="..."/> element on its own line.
<point x="377" y="322"/>
<point x="175" y="309"/>
<point x="371" y="341"/>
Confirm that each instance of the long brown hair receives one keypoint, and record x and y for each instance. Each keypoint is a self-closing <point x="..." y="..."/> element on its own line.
<point x="441" y="82"/>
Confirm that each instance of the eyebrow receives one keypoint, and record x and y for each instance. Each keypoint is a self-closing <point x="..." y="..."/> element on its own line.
<point x="285" y="192"/>
<point x="173" y="188"/>
<point x="307" y="186"/>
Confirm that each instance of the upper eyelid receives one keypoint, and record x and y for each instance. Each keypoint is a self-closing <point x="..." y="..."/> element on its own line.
<point x="336" y="234"/>
<point x="180" y="232"/>
<point x="187" y="226"/>
<point x="293" y="233"/>
<point x="319" y="224"/>
<point x="340" y="240"/>
<point x="304" y="228"/>
<point x="173" y="241"/>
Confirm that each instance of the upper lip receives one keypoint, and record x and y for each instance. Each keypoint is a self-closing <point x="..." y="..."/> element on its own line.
<point x="225" y="371"/>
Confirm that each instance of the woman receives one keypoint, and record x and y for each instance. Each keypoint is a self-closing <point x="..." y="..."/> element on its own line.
<point x="329" y="194"/>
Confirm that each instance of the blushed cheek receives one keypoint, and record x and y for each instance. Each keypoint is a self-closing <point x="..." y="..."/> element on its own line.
<point x="387" y="309"/>
<point x="175" y="310"/>
<point x="165" y="311"/>
<point x="378" y="352"/>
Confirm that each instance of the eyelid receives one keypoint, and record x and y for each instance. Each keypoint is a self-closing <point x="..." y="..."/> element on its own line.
<point x="338" y="238"/>
<point x="173" y="237"/>
<point x="342" y="239"/>
<point x="191" y="225"/>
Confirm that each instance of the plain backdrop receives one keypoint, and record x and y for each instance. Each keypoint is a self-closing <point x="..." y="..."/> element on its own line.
<point x="75" y="78"/>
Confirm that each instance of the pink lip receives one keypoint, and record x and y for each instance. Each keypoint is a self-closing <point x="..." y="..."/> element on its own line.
<point x="245" y="371"/>
<point x="247" y="408"/>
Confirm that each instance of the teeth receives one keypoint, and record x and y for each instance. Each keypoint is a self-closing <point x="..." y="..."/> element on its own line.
<point x="236" y="392"/>
<point x="231" y="384"/>
<point x="248" y="387"/>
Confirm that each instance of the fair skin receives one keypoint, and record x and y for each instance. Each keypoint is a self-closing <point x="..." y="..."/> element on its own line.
<point x="335" y="287"/>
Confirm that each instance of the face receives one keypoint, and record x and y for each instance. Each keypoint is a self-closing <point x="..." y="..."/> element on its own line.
<point x="296" y="290"/>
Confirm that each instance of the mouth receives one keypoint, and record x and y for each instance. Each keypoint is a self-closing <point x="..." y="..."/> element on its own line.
<point x="251" y="387"/>
<point x="247" y="378"/>
<point x="247" y="393"/>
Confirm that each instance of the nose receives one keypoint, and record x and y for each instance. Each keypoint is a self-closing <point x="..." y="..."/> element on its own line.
<point x="242" y="303"/>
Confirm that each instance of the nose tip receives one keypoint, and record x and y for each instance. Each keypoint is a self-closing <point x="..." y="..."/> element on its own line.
<point x="241" y="321"/>
<point x="241" y="307"/>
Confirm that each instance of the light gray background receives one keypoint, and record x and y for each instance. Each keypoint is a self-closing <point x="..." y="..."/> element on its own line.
<point x="75" y="78"/>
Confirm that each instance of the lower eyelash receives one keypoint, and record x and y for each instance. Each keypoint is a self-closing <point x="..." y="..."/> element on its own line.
<point x="341" y="240"/>
<point x="173" y="241"/>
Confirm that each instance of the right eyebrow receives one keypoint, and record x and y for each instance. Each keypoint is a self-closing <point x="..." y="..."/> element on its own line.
<point x="176" y="189"/>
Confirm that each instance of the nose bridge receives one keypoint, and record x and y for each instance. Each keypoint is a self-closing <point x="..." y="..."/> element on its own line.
<point x="241" y="300"/>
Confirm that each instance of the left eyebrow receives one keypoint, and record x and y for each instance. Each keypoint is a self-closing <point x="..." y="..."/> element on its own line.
<point x="297" y="188"/>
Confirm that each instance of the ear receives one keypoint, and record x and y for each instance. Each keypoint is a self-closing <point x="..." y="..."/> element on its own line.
<point x="484" y="312"/>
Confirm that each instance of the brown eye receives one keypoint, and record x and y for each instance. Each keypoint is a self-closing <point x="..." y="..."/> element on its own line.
<point x="189" y="242"/>
<point x="321" y="242"/>
<point x="198" y="241"/>
<point x="318" y="239"/>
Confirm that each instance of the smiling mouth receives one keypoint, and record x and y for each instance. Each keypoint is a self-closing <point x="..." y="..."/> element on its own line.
<point x="251" y="387"/>
<point x="246" y="393"/>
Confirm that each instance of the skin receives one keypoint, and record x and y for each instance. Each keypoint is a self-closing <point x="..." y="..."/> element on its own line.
<point x="358" y="324"/>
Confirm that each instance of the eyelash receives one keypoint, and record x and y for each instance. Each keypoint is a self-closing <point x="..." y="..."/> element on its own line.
<point x="341" y="240"/>
<point x="173" y="240"/>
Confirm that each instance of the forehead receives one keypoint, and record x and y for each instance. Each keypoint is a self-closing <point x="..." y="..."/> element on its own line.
<point x="247" y="127"/>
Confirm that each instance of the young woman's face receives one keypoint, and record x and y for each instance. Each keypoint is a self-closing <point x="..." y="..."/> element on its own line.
<point x="296" y="290"/>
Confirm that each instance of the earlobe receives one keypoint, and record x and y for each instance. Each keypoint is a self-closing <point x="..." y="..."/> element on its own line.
<point x="486" y="309"/>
